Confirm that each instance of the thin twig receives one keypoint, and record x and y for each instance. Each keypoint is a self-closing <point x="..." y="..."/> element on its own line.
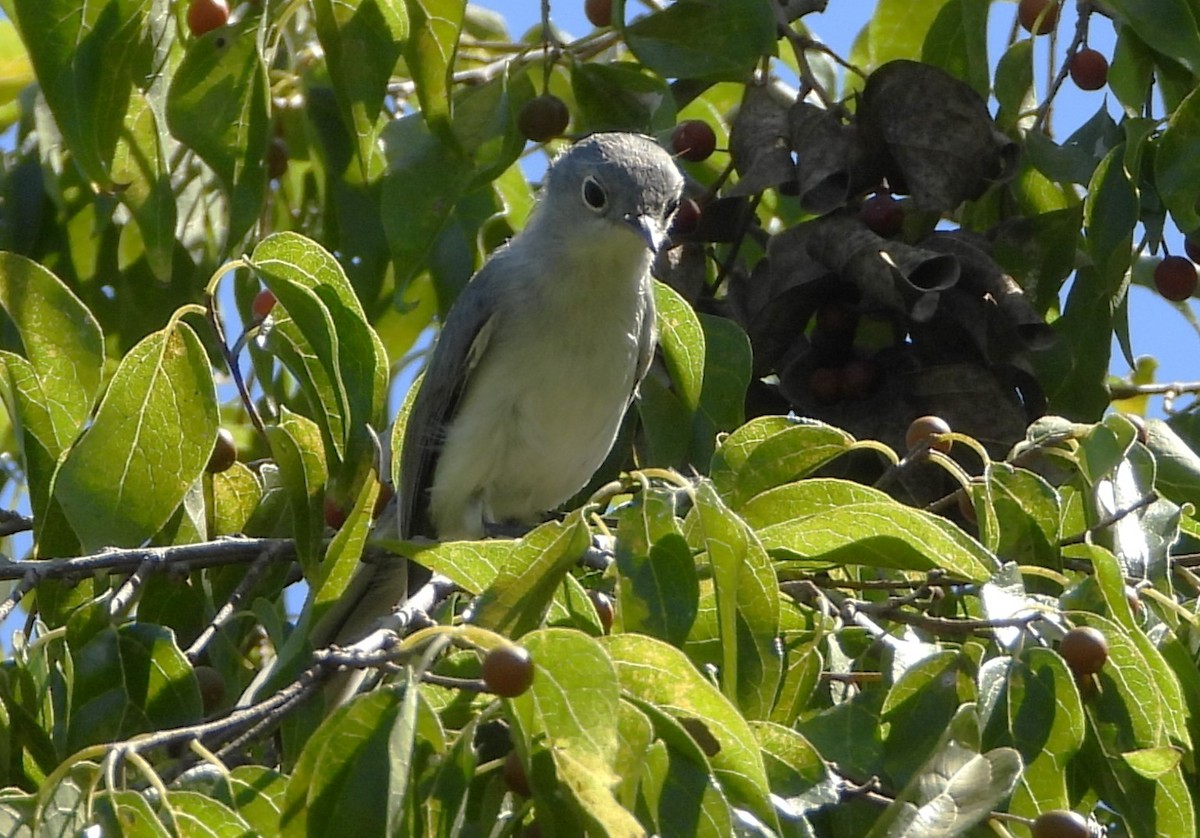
<point x="1081" y="28"/>
<point x="1109" y="520"/>
<point x="1167" y="388"/>
<point x="222" y="551"/>
<point x="28" y="583"/>
<point x="12" y="522"/>
<point x="226" y="612"/>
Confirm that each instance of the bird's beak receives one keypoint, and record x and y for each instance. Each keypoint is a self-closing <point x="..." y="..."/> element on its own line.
<point x="650" y="231"/>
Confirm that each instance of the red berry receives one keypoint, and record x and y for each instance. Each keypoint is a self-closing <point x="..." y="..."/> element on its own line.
<point x="686" y="219"/>
<point x="1191" y="246"/>
<point x="1085" y="650"/>
<point x="212" y="688"/>
<point x="825" y="385"/>
<point x="836" y="322"/>
<point x="598" y="12"/>
<point x="264" y="302"/>
<point x="335" y="515"/>
<point x="224" y="453"/>
<point x="1059" y="823"/>
<point x="277" y="158"/>
<point x="1089" y="69"/>
<point x="386" y="493"/>
<point x="1175" y="278"/>
<point x="694" y="140"/>
<point x="514" y="775"/>
<point x="543" y="118"/>
<point x="859" y="378"/>
<point x="604" y="609"/>
<point x="508" y="671"/>
<point x="883" y="214"/>
<point x="927" y="428"/>
<point x="1038" y="17"/>
<point x="206" y="15"/>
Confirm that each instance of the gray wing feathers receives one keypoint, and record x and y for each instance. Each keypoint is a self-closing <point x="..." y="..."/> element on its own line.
<point x="458" y="348"/>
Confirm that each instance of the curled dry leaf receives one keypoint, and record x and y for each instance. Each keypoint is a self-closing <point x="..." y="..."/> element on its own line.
<point x="758" y="142"/>
<point x="934" y="133"/>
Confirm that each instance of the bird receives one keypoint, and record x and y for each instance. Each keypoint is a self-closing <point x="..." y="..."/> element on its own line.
<point x="537" y="360"/>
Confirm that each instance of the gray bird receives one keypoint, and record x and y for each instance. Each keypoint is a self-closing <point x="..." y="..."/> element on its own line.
<point x="539" y="357"/>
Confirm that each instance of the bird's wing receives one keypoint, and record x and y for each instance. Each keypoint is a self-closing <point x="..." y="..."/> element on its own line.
<point x="647" y="336"/>
<point x="459" y="347"/>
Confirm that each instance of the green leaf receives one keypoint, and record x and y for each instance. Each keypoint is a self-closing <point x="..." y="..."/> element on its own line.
<point x="1027" y="511"/>
<point x="436" y="26"/>
<point x="147" y="446"/>
<point x="485" y="125"/>
<point x="1032" y="704"/>
<point x="620" y="97"/>
<point x="682" y="342"/>
<point x="51" y="372"/>
<point x="128" y="681"/>
<point x="657" y="581"/>
<point x="1014" y="84"/>
<point x="236" y="493"/>
<point x="1178" y="474"/>
<point x="798" y="775"/>
<point x="255" y="793"/>
<point x="662" y="676"/>
<point x="128" y="814"/>
<point x="1169" y="25"/>
<point x="747" y="604"/>
<point x="141" y="169"/>
<point x="85" y="55"/>
<point x="297" y="450"/>
<point x="517" y="599"/>
<point x="695" y="39"/>
<point x="426" y="176"/>
<point x="363" y="40"/>
<point x="343" y="774"/>
<point x="918" y="708"/>
<point x="1110" y="213"/>
<point x="770" y="452"/>
<point x="879" y="534"/>
<point x="1131" y="71"/>
<point x="957" y="42"/>
<point x="898" y="29"/>
<point x="1073" y="371"/>
<point x="804" y="498"/>
<point x="573" y="704"/>
<point x="15" y="70"/>
<point x="196" y="814"/>
<point x="677" y="789"/>
<point x="218" y="105"/>
<point x="335" y="350"/>
<point x="1177" y="163"/>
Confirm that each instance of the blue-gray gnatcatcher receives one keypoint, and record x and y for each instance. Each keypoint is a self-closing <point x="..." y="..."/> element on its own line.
<point x="539" y="358"/>
<point x="541" y="354"/>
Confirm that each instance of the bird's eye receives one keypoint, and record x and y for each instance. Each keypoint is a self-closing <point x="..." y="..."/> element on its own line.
<point x="593" y="194"/>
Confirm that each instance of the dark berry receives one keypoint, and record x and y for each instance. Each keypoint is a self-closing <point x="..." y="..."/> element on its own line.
<point x="883" y="214"/>
<point x="1038" y="17"/>
<point x="224" y="453"/>
<point x="543" y="118"/>
<point x="1085" y="650"/>
<point x="508" y="671"/>
<point x="1175" y="278"/>
<point x="928" y="428"/>
<point x="1089" y="69"/>
<point x="598" y="12"/>
<point x="206" y="15"/>
<point x="694" y="140"/>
